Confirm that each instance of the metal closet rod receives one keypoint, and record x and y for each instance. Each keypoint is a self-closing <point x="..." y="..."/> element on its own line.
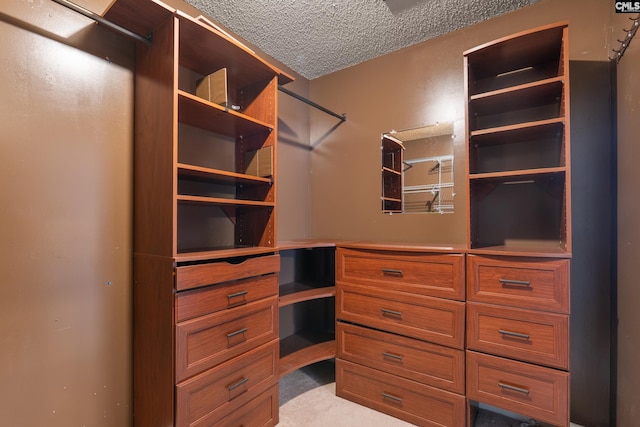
<point x="100" y="20"/>
<point x="342" y="117"/>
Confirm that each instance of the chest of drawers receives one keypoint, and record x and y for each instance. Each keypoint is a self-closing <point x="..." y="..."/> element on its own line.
<point x="400" y="331"/>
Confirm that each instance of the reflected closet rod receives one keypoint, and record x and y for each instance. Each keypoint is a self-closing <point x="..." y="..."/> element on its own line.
<point x="100" y="20"/>
<point x="342" y="117"/>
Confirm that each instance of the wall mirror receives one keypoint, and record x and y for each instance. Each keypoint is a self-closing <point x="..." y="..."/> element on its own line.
<point x="417" y="170"/>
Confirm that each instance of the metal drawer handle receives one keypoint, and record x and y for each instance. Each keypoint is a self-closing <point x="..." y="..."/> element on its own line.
<point x="391" y="272"/>
<point x="237" y="384"/>
<point x="238" y="332"/>
<point x="230" y="297"/>
<point x="392" y="356"/>
<point x="237" y="294"/>
<point x="391" y="312"/>
<point x="392" y="397"/>
<point x="514" y="334"/>
<point x="509" y="282"/>
<point x="513" y="388"/>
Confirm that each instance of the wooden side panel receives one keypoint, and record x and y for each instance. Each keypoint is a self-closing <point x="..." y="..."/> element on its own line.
<point x="153" y="299"/>
<point x="155" y="152"/>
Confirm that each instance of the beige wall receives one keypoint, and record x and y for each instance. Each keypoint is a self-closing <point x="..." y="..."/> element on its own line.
<point x="65" y="208"/>
<point x="629" y="229"/>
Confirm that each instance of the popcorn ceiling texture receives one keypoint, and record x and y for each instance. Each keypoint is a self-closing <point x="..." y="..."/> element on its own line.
<point x="318" y="37"/>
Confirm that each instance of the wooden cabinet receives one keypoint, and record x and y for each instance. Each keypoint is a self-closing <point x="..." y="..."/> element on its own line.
<point x="307" y="304"/>
<point x="205" y="264"/>
<point x="518" y="156"/>
<point x="400" y="326"/>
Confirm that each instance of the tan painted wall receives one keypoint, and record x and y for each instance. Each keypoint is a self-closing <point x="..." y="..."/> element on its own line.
<point x="66" y="115"/>
<point x="416" y="86"/>
<point x="628" y="395"/>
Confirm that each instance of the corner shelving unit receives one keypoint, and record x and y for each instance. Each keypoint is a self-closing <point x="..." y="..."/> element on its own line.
<point x="307" y="304"/>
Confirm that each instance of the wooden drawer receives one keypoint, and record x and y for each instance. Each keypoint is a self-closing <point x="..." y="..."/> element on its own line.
<point x="437" y="320"/>
<point x="534" y="283"/>
<point x="201" y="301"/>
<point x="194" y="276"/>
<point x="430" y="364"/>
<point x="527" y="335"/>
<point x="261" y="411"/>
<point x="530" y="390"/>
<point x="215" y="393"/>
<point x="206" y="341"/>
<point x="437" y="275"/>
<point x="401" y="398"/>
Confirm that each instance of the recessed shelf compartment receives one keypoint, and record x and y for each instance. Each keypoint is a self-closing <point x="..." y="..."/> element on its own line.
<point x="516" y="60"/>
<point x="305" y="348"/>
<point x="520" y="210"/>
<point x="521" y="104"/>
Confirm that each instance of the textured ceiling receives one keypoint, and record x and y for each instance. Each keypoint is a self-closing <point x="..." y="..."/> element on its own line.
<point x="318" y="37"/>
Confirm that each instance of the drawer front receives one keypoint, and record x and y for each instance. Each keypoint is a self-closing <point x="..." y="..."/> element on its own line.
<point x="534" y="283"/>
<point x="531" y="336"/>
<point x="436" y="320"/>
<point x="408" y="400"/>
<point x="430" y="364"/>
<point x="194" y="276"/>
<point x="215" y="393"/>
<point x="530" y="390"/>
<point x="259" y="412"/>
<point x="201" y="301"/>
<point x="437" y="275"/>
<point x="206" y="341"/>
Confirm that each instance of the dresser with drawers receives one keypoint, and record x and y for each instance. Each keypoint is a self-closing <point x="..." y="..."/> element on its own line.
<point x="400" y="331"/>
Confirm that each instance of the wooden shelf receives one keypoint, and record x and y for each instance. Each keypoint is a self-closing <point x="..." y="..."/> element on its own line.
<point x="506" y="134"/>
<point x="388" y="170"/>
<point x="303" y="349"/>
<point x="219" y="175"/>
<point x="200" y="113"/>
<point x="221" y="253"/>
<point x="519" y="174"/>
<point x="295" y="292"/>
<point x="222" y="201"/>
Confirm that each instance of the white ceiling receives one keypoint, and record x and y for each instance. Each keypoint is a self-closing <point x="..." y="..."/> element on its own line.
<point x="318" y="37"/>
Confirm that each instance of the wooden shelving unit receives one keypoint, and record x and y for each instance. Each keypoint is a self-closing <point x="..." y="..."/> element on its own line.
<point x="205" y="261"/>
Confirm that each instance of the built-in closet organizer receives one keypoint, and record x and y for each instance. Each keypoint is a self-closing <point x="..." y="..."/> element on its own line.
<point x="518" y="263"/>
<point x="205" y="294"/>
<point x="307" y="303"/>
<point x="400" y="330"/>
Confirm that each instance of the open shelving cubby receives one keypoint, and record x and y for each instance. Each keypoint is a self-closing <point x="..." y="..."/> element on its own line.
<point x="307" y="304"/>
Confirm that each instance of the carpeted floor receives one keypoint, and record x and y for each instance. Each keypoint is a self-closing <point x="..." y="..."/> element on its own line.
<point x="308" y="398"/>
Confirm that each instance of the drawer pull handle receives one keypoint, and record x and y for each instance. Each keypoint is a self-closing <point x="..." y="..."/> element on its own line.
<point x="513" y="388"/>
<point x="238" y="332"/>
<point x="514" y="334"/>
<point x="391" y="312"/>
<point x="392" y="356"/>
<point x="392" y="397"/>
<point x="237" y="384"/>
<point x="230" y="297"/>
<point x="509" y="282"/>
<point x="237" y="294"/>
<point x="391" y="272"/>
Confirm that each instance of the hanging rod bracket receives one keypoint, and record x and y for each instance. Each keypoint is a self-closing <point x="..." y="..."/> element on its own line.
<point x="342" y="117"/>
<point x="100" y="20"/>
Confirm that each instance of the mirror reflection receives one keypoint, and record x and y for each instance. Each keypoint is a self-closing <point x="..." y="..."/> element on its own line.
<point x="417" y="170"/>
